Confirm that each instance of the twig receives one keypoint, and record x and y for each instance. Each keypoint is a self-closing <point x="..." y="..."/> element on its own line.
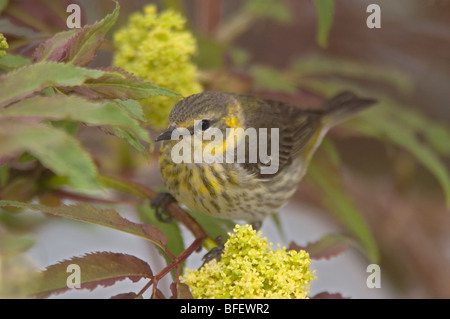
<point x="175" y="263"/>
<point x="136" y="189"/>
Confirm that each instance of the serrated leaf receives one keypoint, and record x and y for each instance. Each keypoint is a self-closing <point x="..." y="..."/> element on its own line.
<point x="171" y="230"/>
<point x="94" y="215"/>
<point x="96" y="269"/>
<point x="133" y="108"/>
<point x="74" y="108"/>
<point x="115" y="83"/>
<point x="78" y="46"/>
<point x="54" y="148"/>
<point x="325" y="11"/>
<point x="54" y="48"/>
<point x="82" y="47"/>
<point x="326" y="247"/>
<point x="130" y="139"/>
<point x="27" y="80"/>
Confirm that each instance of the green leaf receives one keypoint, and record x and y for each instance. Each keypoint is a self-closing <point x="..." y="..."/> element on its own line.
<point x="55" y="149"/>
<point x="94" y="215"/>
<point x="82" y="47"/>
<point x="3" y="5"/>
<point x="328" y="146"/>
<point x="340" y="204"/>
<point x="434" y="133"/>
<point x="10" y="62"/>
<point x="70" y="127"/>
<point x="217" y="227"/>
<point x="210" y="53"/>
<point x="132" y="107"/>
<point x="74" y="108"/>
<point x="271" y="79"/>
<point x="130" y="139"/>
<point x="27" y="80"/>
<point x="54" y="48"/>
<point x="76" y="47"/>
<point x="115" y="83"/>
<point x="382" y="124"/>
<point x="325" y="11"/>
<point x="273" y="9"/>
<point x="4" y="175"/>
<point x="325" y="68"/>
<point x="13" y="244"/>
<point x="171" y="230"/>
<point x="96" y="269"/>
<point x="7" y="27"/>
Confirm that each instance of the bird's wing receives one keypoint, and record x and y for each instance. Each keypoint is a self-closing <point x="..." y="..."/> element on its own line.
<point x="296" y="127"/>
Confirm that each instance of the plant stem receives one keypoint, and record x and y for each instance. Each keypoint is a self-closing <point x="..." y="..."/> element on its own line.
<point x="139" y="190"/>
<point x="175" y="263"/>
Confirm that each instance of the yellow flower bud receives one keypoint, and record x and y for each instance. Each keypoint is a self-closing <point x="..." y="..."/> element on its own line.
<point x="249" y="269"/>
<point x="3" y="45"/>
<point x="158" y="48"/>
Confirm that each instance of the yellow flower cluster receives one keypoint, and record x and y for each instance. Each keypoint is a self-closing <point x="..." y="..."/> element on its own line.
<point x="157" y="48"/>
<point x="251" y="269"/>
<point x="3" y="45"/>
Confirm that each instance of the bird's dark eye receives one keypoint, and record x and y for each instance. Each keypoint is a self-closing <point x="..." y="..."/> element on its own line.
<point x="204" y="124"/>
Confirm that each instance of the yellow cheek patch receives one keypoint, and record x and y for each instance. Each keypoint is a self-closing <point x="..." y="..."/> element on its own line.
<point x="232" y="121"/>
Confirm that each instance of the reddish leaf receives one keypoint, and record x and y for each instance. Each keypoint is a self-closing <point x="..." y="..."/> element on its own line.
<point x="326" y="247"/>
<point x="82" y="47"/>
<point x="129" y="295"/>
<point x="157" y="294"/>
<point x="78" y="47"/>
<point x="95" y="269"/>
<point x="54" y="48"/>
<point x="104" y="217"/>
<point x="180" y="291"/>
<point x="327" y="295"/>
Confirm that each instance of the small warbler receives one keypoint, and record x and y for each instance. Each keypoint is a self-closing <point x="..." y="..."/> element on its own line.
<point x="219" y="182"/>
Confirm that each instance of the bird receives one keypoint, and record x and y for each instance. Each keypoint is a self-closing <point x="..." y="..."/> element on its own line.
<point x="246" y="187"/>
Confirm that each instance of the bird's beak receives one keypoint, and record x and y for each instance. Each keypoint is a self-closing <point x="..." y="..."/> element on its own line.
<point x="167" y="135"/>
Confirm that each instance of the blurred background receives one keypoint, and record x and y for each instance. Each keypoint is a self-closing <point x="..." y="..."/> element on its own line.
<point x="382" y="179"/>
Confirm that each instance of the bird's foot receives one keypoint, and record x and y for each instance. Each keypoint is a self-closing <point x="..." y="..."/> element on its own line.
<point x="160" y="203"/>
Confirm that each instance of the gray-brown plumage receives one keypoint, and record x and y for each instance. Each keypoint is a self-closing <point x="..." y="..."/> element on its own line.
<point x="242" y="190"/>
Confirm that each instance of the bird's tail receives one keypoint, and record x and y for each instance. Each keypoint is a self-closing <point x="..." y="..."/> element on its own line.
<point x="344" y="106"/>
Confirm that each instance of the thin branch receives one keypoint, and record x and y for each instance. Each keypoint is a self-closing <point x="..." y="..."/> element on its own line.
<point x="176" y="263"/>
<point x="88" y="199"/>
<point x="136" y="189"/>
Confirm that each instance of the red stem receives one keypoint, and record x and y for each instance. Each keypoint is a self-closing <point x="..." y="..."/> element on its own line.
<point x="175" y="263"/>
